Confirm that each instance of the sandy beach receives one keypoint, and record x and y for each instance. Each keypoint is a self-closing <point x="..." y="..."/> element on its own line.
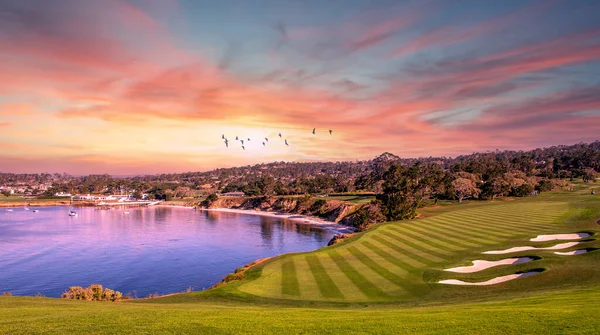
<point x="310" y="220"/>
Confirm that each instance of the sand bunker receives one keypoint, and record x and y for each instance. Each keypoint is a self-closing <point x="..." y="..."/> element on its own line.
<point x="543" y="238"/>
<point x="496" y="280"/>
<point x="517" y="249"/>
<point x="569" y="253"/>
<point x="482" y="265"/>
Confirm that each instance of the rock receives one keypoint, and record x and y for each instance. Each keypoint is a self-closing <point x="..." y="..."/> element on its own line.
<point x="335" y="239"/>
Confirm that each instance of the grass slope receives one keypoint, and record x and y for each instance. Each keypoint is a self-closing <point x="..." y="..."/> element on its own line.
<point x="403" y="260"/>
<point x="558" y="312"/>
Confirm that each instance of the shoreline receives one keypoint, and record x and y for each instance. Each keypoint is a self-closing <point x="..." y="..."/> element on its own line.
<point x="333" y="227"/>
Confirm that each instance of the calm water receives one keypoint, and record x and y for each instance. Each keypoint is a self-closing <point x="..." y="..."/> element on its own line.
<point x="150" y="250"/>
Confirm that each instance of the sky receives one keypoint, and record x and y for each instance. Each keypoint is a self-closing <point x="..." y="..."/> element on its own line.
<point x="141" y="87"/>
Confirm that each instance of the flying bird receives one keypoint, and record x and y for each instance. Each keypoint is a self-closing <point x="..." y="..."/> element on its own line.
<point x="286" y="143"/>
<point x="243" y="148"/>
<point x="242" y="142"/>
<point x="314" y="130"/>
<point x="279" y="134"/>
<point x="236" y="138"/>
<point x="223" y="136"/>
<point x="248" y="139"/>
<point x="226" y="143"/>
<point x="330" y="131"/>
<point x="267" y="139"/>
<point x="264" y="144"/>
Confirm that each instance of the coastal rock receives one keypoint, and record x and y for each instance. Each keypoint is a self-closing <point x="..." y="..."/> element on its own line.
<point x="335" y="239"/>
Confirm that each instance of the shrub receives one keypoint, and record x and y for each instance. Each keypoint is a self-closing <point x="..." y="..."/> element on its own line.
<point x="7" y="294"/>
<point x="319" y="206"/>
<point x="94" y="292"/>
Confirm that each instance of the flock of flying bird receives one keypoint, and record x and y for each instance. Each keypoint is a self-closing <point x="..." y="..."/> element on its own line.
<point x="264" y="143"/>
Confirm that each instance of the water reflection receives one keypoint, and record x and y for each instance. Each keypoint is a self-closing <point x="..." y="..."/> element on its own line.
<point x="148" y="250"/>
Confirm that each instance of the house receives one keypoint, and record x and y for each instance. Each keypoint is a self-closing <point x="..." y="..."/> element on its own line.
<point x="233" y="194"/>
<point x="62" y="194"/>
<point x="92" y="197"/>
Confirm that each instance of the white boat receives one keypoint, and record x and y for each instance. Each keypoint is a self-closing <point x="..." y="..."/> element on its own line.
<point x="26" y="208"/>
<point x="72" y="211"/>
<point x="9" y="210"/>
<point x="36" y="210"/>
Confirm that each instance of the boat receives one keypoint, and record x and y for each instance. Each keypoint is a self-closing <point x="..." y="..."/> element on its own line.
<point x="9" y="210"/>
<point x="126" y="212"/>
<point x="26" y="208"/>
<point x="72" y="211"/>
<point x="36" y="210"/>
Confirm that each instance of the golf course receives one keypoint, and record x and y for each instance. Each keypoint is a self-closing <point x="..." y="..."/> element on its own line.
<point x="385" y="281"/>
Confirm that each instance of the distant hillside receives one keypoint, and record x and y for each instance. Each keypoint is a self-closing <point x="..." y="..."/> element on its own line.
<point x="284" y="178"/>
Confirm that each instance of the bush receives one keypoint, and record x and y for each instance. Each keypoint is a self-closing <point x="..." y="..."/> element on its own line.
<point x="94" y="292"/>
<point x="319" y="206"/>
<point x="212" y="198"/>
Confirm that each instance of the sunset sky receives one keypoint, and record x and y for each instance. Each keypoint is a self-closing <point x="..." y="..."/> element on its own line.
<point x="131" y="87"/>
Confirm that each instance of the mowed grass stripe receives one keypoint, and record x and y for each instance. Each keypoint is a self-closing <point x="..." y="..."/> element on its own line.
<point x="389" y="287"/>
<point x="380" y="270"/>
<point x="517" y="223"/>
<point x="389" y="257"/>
<point x="513" y="222"/>
<point x="381" y="261"/>
<point x="528" y="220"/>
<point x="481" y="230"/>
<point x="289" y="281"/>
<point x="476" y="229"/>
<point x="427" y="234"/>
<point x="355" y="277"/>
<point x="422" y="262"/>
<point x="418" y="245"/>
<point x="327" y="287"/>
<point x="464" y="234"/>
<point x="308" y="286"/>
<point x="498" y="230"/>
<point x="545" y="212"/>
<point x="448" y="247"/>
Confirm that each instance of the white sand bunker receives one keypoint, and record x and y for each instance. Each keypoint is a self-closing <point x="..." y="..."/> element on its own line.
<point x="517" y="249"/>
<point x="496" y="280"/>
<point x="570" y="253"/>
<point x="543" y="238"/>
<point x="482" y="265"/>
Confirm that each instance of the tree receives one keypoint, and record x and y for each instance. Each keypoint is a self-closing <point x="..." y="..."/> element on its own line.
<point x="589" y="175"/>
<point x="137" y="194"/>
<point x="6" y="193"/>
<point x="401" y="196"/>
<point x="464" y="188"/>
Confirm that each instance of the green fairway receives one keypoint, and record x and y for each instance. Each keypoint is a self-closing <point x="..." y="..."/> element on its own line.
<point x="403" y="260"/>
<point x="382" y="281"/>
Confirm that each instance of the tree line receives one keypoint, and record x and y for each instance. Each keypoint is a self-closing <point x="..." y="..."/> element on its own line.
<point x="485" y="175"/>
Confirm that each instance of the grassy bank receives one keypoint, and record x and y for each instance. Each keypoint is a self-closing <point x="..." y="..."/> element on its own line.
<point x="556" y="312"/>
<point x="20" y="201"/>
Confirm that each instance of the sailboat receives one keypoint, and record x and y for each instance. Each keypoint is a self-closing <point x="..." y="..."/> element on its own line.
<point x="72" y="211"/>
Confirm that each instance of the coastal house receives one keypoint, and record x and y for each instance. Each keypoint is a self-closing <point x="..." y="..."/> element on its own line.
<point x="62" y="194"/>
<point x="93" y="197"/>
<point x="233" y="194"/>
